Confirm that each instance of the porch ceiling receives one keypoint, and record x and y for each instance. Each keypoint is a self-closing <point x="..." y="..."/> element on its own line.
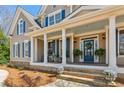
<point x="99" y="25"/>
<point x="54" y="34"/>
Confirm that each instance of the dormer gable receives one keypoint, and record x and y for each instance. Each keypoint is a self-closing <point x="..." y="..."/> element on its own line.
<point x="53" y="14"/>
<point x="54" y="17"/>
<point x="21" y="22"/>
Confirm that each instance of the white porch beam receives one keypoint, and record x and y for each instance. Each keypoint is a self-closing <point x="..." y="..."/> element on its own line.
<point x="45" y="48"/>
<point x="63" y="47"/>
<point x="112" y="43"/>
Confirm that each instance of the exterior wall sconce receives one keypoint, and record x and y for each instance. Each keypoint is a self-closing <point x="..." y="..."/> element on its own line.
<point x="103" y="36"/>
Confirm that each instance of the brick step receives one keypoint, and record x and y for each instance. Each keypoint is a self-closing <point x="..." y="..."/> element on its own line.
<point x="84" y="75"/>
<point x="93" y="82"/>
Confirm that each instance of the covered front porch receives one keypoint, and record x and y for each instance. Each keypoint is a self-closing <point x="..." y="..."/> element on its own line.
<point x="77" y="45"/>
<point x="55" y="45"/>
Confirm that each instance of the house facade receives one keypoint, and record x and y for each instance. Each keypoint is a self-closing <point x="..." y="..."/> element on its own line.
<point x="76" y="36"/>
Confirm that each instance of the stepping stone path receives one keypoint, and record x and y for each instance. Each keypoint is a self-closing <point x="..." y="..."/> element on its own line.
<point x="3" y="76"/>
<point x="65" y="83"/>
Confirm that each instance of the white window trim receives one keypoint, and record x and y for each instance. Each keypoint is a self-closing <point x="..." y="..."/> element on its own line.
<point x="81" y="57"/>
<point x="25" y="41"/>
<point x="16" y="44"/>
<point x="53" y="14"/>
<point x="60" y="46"/>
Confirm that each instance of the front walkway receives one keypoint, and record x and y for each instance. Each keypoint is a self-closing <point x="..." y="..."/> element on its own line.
<point x="3" y="76"/>
<point x="65" y="83"/>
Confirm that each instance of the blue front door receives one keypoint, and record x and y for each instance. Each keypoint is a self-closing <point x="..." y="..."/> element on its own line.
<point x="89" y="51"/>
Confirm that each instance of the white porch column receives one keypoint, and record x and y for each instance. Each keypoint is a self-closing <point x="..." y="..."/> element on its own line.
<point x="107" y="46"/>
<point x="45" y="47"/>
<point x="32" y="49"/>
<point x="63" y="47"/>
<point x="72" y="48"/>
<point x="35" y="48"/>
<point x="112" y="42"/>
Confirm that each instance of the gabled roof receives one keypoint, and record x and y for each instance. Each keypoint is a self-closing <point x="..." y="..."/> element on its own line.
<point x="83" y="7"/>
<point x="86" y="7"/>
<point x="19" y="10"/>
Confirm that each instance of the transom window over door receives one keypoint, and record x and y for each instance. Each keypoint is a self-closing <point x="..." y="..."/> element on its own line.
<point x="121" y="42"/>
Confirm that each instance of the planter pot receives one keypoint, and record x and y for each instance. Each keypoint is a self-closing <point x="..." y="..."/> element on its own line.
<point x="110" y="75"/>
<point x="76" y="59"/>
<point x="110" y="78"/>
<point x="60" y="70"/>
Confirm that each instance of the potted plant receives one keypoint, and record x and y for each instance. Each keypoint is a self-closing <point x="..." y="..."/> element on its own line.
<point x="77" y="53"/>
<point x="110" y="75"/>
<point x="54" y="57"/>
<point x="100" y="53"/>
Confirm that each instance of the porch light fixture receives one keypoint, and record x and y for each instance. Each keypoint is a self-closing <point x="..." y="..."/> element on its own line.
<point x="75" y="41"/>
<point x="103" y="36"/>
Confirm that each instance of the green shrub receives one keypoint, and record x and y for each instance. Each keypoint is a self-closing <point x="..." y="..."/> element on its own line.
<point x="77" y="52"/>
<point x="100" y="53"/>
<point x="4" y="48"/>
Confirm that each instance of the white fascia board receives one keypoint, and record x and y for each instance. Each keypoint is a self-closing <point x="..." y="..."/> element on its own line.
<point x="43" y="9"/>
<point x="18" y="11"/>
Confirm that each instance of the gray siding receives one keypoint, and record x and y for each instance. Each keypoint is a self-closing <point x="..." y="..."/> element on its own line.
<point x="19" y="39"/>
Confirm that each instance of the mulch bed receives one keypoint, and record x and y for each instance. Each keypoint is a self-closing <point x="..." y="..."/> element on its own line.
<point x="27" y="78"/>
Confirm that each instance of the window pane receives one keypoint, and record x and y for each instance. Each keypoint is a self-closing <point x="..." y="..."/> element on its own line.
<point x="121" y="52"/>
<point x="51" y="20"/>
<point x="26" y="50"/>
<point x="121" y="47"/>
<point x="58" y="17"/>
<point x="121" y="36"/>
<point x="54" y="6"/>
<point x="21" y="28"/>
<point x="16" y="50"/>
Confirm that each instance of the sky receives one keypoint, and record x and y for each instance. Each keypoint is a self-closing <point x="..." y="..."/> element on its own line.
<point x="33" y="9"/>
<point x="8" y="11"/>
